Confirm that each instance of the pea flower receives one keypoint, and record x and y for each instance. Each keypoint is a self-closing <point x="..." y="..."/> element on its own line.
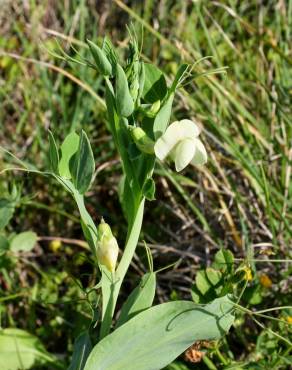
<point x="107" y="248"/>
<point x="180" y="142"/>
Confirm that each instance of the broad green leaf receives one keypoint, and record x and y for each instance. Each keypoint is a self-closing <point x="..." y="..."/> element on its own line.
<point x="53" y="153"/>
<point x="140" y="299"/>
<point x="162" y="118"/>
<point x="149" y="189"/>
<point x="197" y="295"/>
<point x="81" y="350"/>
<point x="23" y="242"/>
<point x="7" y="208"/>
<point x="214" y="276"/>
<point x="124" y="100"/>
<point x="224" y="261"/>
<point x="100" y="58"/>
<point x="82" y="165"/>
<point x="154" y="87"/>
<point x="21" y="350"/>
<point x="157" y="336"/>
<point x="68" y="148"/>
<point x="202" y="282"/>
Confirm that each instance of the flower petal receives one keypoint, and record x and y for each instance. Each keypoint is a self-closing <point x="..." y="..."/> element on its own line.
<point x="176" y="132"/>
<point x="200" y="156"/>
<point x="184" y="153"/>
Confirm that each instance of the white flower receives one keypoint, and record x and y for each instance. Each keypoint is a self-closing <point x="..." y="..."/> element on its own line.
<point x="180" y="142"/>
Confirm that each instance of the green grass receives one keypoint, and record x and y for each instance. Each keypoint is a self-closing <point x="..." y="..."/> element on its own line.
<point x="241" y="200"/>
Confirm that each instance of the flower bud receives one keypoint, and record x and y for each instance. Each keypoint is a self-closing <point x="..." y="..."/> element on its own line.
<point x="124" y="100"/>
<point x="155" y="108"/>
<point x="107" y="248"/>
<point x="100" y="59"/>
<point x="142" y="140"/>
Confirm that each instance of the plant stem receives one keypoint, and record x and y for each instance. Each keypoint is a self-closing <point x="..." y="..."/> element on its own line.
<point x="110" y="287"/>
<point x="210" y="365"/>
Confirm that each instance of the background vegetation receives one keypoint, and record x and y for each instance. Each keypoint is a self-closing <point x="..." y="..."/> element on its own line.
<point x="240" y="201"/>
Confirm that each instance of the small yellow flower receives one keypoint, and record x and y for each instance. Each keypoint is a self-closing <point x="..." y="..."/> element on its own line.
<point x="289" y="319"/>
<point x="248" y="273"/>
<point x="265" y="281"/>
<point x="55" y="245"/>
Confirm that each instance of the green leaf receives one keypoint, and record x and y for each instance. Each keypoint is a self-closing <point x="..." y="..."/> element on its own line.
<point x="124" y="101"/>
<point x="23" y="242"/>
<point x="82" y="165"/>
<point x="53" y="153"/>
<point x="109" y="50"/>
<point x="162" y="118"/>
<point x="68" y="148"/>
<point x="157" y="336"/>
<point x="140" y="299"/>
<point x="197" y="295"/>
<point x="149" y="189"/>
<point x="202" y="282"/>
<point x="100" y="58"/>
<point x="214" y="276"/>
<point x="21" y="350"/>
<point x="7" y="208"/>
<point x="4" y="245"/>
<point x="224" y="261"/>
<point x="154" y="87"/>
<point x="81" y="350"/>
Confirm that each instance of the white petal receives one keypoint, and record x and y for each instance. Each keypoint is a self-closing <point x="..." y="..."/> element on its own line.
<point x="200" y="156"/>
<point x="176" y="132"/>
<point x="184" y="153"/>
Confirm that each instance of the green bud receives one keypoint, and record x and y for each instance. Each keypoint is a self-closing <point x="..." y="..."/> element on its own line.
<point x="124" y="100"/>
<point x="155" y="108"/>
<point x="101" y="61"/>
<point x="104" y="230"/>
<point x="142" y="140"/>
<point x="107" y="248"/>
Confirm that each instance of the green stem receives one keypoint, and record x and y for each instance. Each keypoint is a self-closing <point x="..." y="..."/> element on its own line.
<point x="221" y="357"/>
<point x="110" y="287"/>
<point x="210" y="365"/>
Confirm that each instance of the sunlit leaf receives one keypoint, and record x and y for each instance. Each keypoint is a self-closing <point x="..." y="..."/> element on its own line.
<point x="23" y="242"/>
<point x="157" y="336"/>
<point x="154" y="87"/>
<point x="140" y="299"/>
<point x="21" y="350"/>
<point x="82" y="165"/>
<point x="68" y="148"/>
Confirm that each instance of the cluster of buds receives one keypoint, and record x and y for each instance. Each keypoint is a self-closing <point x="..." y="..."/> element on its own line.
<point x="107" y="248"/>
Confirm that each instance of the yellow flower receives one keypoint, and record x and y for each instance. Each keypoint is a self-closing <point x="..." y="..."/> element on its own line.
<point x="265" y="281"/>
<point x="55" y="245"/>
<point x="289" y="319"/>
<point x="248" y="273"/>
